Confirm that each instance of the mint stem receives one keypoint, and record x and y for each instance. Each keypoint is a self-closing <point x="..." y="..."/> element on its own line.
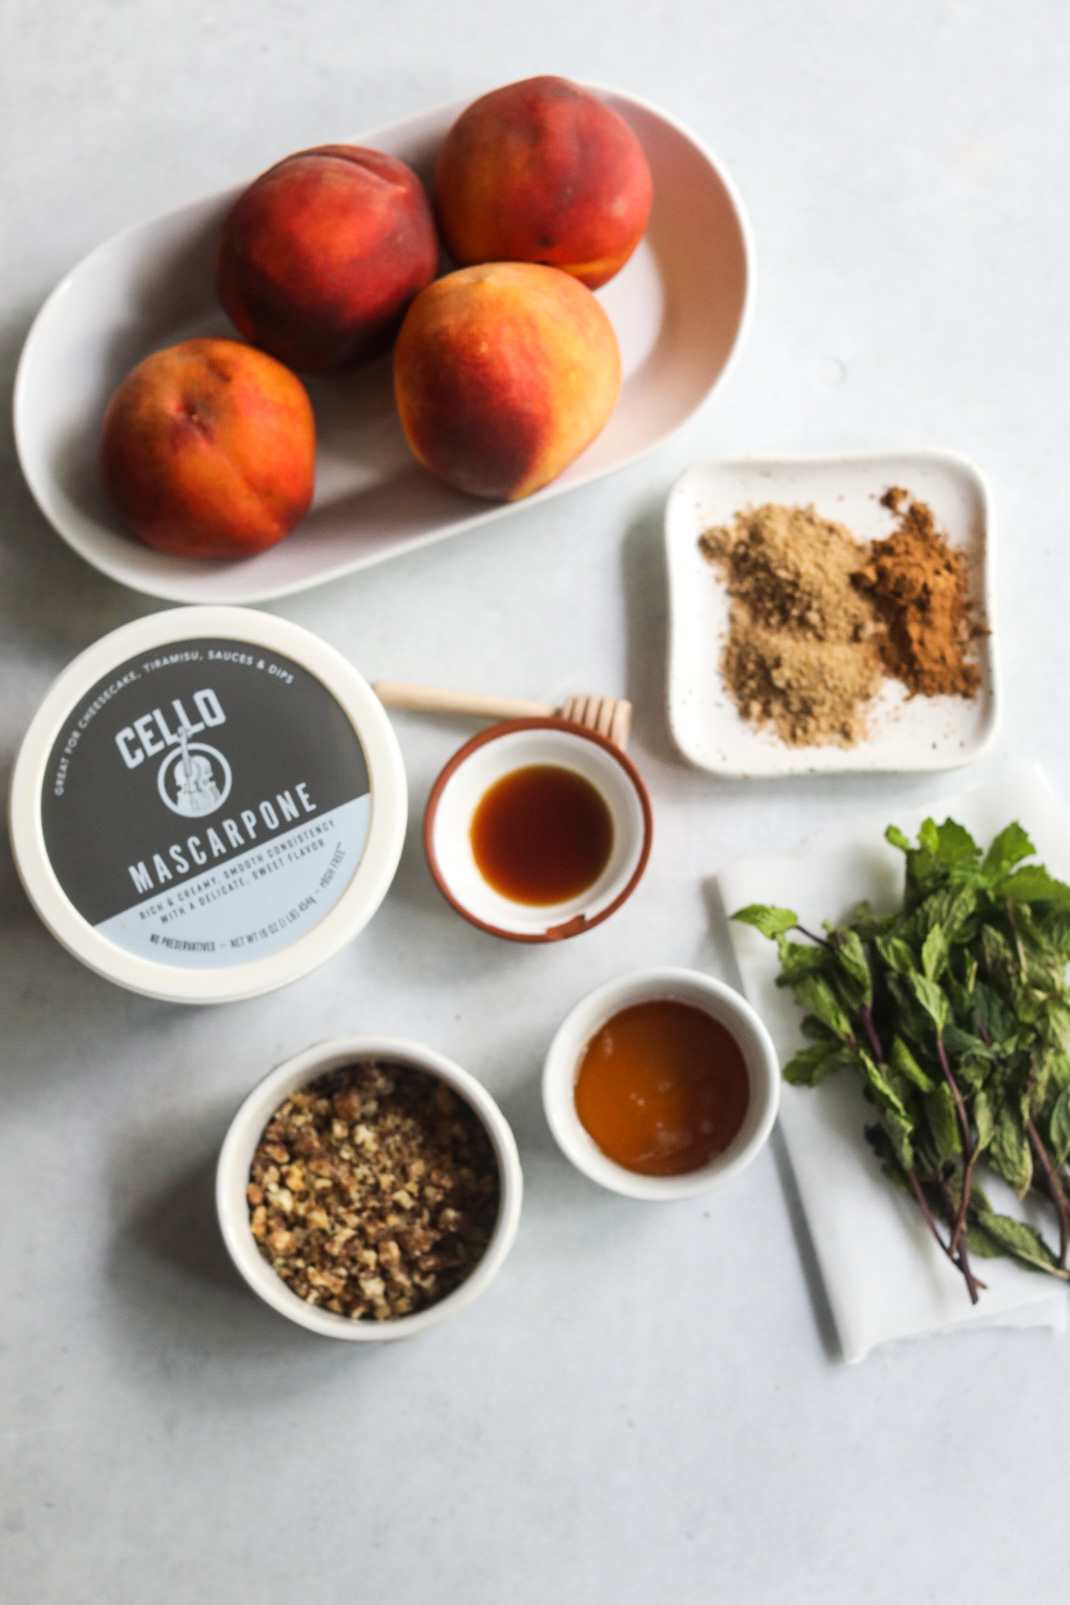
<point x="968" y="1151"/>
<point x="866" y="1018"/>
<point x="957" y="1260"/>
<point x="1055" y="1191"/>
<point x="930" y="1218"/>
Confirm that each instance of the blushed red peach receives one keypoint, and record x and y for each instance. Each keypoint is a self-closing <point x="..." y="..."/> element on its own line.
<point x="543" y="171"/>
<point x="503" y="373"/>
<point x="208" y="449"/>
<point x="320" y="257"/>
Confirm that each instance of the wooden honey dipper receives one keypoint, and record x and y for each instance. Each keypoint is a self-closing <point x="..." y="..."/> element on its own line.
<point x="609" y="716"/>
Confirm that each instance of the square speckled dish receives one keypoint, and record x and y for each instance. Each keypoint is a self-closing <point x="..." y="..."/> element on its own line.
<point x="905" y="733"/>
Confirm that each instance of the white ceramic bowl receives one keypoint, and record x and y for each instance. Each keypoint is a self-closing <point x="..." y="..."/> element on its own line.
<point x="472" y="770"/>
<point x="645" y="986"/>
<point x="232" y="1176"/>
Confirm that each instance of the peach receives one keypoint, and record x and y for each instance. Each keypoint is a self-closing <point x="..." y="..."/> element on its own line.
<point x="208" y="449"/>
<point x="319" y="258"/>
<point x="503" y="373"/>
<point x="543" y="171"/>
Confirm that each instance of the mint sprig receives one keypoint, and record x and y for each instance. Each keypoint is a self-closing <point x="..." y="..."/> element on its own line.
<point x="954" y="1012"/>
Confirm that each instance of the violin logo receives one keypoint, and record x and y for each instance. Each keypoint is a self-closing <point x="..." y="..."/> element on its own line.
<point x="194" y="778"/>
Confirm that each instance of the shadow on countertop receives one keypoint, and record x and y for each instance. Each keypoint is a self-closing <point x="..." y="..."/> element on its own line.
<point x="800" y="1230"/>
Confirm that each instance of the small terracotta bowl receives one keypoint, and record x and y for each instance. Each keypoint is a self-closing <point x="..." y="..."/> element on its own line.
<point x="481" y="762"/>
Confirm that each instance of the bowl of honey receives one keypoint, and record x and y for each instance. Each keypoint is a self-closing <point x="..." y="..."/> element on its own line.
<point x="661" y="1084"/>
<point x="538" y="829"/>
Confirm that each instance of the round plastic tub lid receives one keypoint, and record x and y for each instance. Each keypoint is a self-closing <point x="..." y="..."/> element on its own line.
<point x="209" y="803"/>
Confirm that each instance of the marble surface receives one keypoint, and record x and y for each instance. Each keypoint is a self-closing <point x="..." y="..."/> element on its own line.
<point x="648" y="1403"/>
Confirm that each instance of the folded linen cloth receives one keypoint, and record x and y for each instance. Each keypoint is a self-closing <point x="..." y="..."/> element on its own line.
<point x="884" y="1276"/>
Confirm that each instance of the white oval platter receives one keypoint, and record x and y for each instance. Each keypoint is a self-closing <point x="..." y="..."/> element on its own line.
<point x="679" y="307"/>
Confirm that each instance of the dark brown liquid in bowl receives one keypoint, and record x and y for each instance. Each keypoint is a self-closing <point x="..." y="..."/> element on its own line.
<point x="542" y="834"/>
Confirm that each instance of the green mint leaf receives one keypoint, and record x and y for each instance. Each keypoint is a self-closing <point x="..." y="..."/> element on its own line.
<point x="1001" y="961"/>
<point x="771" y="921"/>
<point x="1059" y="1067"/>
<point x="972" y="1074"/>
<point x="895" y="836"/>
<point x="1033" y="884"/>
<point x="812" y="1065"/>
<point x="955" y="847"/>
<point x="1055" y="924"/>
<point x="960" y="1043"/>
<point x="1059" y="1128"/>
<point x="1034" y="1094"/>
<point x="897" y="954"/>
<point x="1015" y="1237"/>
<point x="991" y="1015"/>
<point x="814" y="1030"/>
<point x="981" y="1245"/>
<point x="867" y="925"/>
<point x="948" y="909"/>
<point x="905" y="1064"/>
<point x="934" y="953"/>
<point x="984" y="1120"/>
<point x="852" y="957"/>
<point x="1010" y="1152"/>
<point x="1007" y="849"/>
<point x="900" y="1133"/>
<point x="932" y="999"/>
<point x="884" y="1093"/>
<point x="817" y="998"/>
<point x="943" y="1124"/>
<point x="798" y="959"/>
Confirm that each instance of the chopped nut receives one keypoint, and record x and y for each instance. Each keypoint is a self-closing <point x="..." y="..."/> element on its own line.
<point x="346" y="1104"/>
<point x="358" y="1221"/>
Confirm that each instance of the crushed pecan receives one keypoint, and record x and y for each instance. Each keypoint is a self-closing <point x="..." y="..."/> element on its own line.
<point x="391" y="1200"/>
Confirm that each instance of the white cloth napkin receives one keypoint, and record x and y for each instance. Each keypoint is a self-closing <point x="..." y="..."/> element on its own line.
<point x="884" y="1276"/>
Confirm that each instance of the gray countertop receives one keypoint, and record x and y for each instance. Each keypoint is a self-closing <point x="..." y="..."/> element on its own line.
<point x="649" y="1403"/>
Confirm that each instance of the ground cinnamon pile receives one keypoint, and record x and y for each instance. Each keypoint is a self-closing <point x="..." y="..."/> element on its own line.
<point x="920" y="591"/>
<point x="817" y="617"/>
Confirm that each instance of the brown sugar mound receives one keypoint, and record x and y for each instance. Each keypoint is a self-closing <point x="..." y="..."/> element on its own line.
<point x="801" y="652"/>
<point x="920" y="591"/>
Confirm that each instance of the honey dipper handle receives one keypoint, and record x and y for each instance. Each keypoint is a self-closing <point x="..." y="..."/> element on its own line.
<point x="435" y="699"/>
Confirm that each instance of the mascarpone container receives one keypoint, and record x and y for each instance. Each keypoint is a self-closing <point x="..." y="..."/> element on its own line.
<point x="209" y="803"/>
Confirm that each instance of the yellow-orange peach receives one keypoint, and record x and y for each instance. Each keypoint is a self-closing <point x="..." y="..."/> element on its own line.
<point x="208" y="449"/>
<point x="503" y="374"/>
<point x="543" y="171"/>
<point x="319" y="258"/>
